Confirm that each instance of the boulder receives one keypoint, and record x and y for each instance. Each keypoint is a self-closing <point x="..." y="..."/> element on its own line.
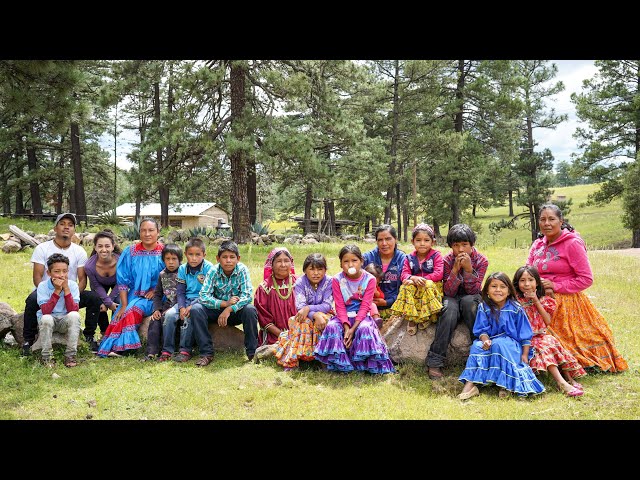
<point x="88" y="239"/>
<point x="11" y="247"/>
<point x="56" y="339"/>
<point x="266" y="239"/>
<point x="315" y="236"/>
<point x="7" y="319"/>
<point x="174" y="236"/>
<point x="309" y="241"/>
<point x="414" y="348"/>
<point x="219" y="241"/>
<point x="322" y="237"/>
<point x="42" y="238"/>
<point x="289" y="240"/>
<point x="351" y="238"/>
<point x="75" y="239"/>
<point x="279" y="238"/>
<point x="5" y="236"/>
<point x="272" y="237"/>
<point x="369" y="240"/>
<point x="224" y="338"/>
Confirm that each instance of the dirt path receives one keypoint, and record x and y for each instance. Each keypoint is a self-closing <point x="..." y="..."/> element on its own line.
<point x="634" y="252"/>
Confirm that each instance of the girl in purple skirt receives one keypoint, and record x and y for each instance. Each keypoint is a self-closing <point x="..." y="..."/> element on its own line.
<point x="351" y="340"/>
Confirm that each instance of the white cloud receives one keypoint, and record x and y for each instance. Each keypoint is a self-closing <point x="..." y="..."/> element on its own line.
<point x="560" y="141"/>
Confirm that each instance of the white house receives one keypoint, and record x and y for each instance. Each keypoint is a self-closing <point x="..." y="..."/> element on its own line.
<point x="181" y="215"/>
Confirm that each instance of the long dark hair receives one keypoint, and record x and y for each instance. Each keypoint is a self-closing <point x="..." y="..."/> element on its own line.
<point x="533" y="271"/>
<point x="106" y="233"/>
<point x="556" y="210"/>
<point x="485" y="291"/>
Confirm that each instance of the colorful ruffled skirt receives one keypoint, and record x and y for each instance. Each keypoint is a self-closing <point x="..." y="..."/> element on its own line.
<point x="122" y="334"/>
<point x="548" y="351"/>
<point x="501" y="365"/>
<point x="584" y="332"/>
<point x="297" y="343"/>
<point x="367" y="353"/>
<point x="419" y="304"/>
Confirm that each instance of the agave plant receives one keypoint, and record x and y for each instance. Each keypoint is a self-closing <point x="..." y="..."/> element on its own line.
<point x="260" y="229"/>
<point x="109" y="218"/>
<point x="199" y="230"/>
<point x="131" y="233"/>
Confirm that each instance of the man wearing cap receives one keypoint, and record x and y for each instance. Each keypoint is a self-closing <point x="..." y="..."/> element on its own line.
<point x="64" y="228"/>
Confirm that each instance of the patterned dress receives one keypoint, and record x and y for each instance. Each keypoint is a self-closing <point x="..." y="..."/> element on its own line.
<point x="297" y="343"/>
<point x="368" y="351"/>
<point x="137" y="273"/>
<point x="421" y="304"/>
<point x="548" y="350"/>
<point x="502" y="364"/>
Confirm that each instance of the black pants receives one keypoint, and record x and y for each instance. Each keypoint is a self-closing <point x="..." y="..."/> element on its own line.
<point x="88" y="299"/>
<point x="455" y="309"/>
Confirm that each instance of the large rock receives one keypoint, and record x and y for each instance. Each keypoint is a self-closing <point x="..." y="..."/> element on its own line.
<point x="351" y="238"/>
<point x="266" y="239"/>
<point x="369" y="240"/>
<point x="224" y="338"/>
<point x="88" y="239"/>
<point x="5" y="236"/>
<point x="174" y="236"/>
<point x="11" y="247"/>
<point x="7" y="319"/>
<point x="309" y="241"/>
<point x="75" y="239"/>
<point x="42" y="238"/>
<point x="414" y="348"/>
<point x="56" y="339"/>
<point x="279" y="238"/>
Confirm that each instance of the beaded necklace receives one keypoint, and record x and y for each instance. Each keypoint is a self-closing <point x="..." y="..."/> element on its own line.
<point x="277" y="288"/>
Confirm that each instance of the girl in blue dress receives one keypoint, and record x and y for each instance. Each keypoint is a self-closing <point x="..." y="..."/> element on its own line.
<point x="502" y="352"/>
<point x="136" y="276"/>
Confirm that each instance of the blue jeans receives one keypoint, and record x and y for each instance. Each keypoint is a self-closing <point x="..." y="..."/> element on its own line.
<point x="169" y="324"/>
<point x="197" y="328"/>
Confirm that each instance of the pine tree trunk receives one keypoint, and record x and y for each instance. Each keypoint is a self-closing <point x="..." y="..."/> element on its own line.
<point x="252" y="188"/>
<point x="511" y="203"/>
<point x="19" y="199"/>
<point x="394" y="148"/>
<point x="398" y="207"/>
<point x="60" y="186"/>
<point x="6" y="199"/>
<point x="473" y="210"/>
<point x="34" y="185"/>
<point x="240" y="212"/>
<point x="331" y="218"/>
<point x="163" y="189"/>
<point x="308" y="197"/>
<point x="72" y="200"/>
<point x="405" y="208"/>
<point x="436" y="228"/>
<point x="76" y="160"/>
<point x="636" y="238"/>
<point x="458" y="127"/>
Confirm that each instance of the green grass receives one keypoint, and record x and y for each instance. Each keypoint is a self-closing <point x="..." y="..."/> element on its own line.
<point x="232" y="388"/>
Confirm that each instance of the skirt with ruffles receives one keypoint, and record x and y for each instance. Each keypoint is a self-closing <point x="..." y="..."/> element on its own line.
<point x="501" y="365"/>
<point x="584" y="332"/>
<point x="548" y="351"/>
<point x="297" y="343"/>
<point x="367" y="353"/>
<point x="122" y="334"/>
<point x="419" y="304"/>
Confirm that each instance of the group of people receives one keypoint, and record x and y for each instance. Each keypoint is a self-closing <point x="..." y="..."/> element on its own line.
<point x="540" y="320"/>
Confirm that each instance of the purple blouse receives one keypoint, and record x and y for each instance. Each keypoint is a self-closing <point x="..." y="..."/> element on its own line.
<point x="319" y="300"/>
<point x="100" y="284"/>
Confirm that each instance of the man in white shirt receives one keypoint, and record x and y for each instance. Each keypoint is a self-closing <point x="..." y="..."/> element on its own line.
<point x="65" y="227"/>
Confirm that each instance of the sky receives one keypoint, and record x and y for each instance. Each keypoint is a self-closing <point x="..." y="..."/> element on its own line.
<point x="560" y="141"/>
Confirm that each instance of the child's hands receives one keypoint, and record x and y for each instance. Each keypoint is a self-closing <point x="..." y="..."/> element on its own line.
<point x="531" y="295"/>
<point x="184" y="312"/>
<point x="320" y="320"/>
<point x="156" y="315"/>
<point x="224" y="316"/>
<point x="486" y="344"/>
<point x="408" y="281"/>
<point x="525" y="359"/>
<point x="348" y="337"/>
<point x="149" y="294"/>
<point x="548" y="284"/>
<point x="65" y="286"/>
<point x="233" y="300"/>
<point x="113" y="307"/>
<point x="302" y="314"/>
<point x="380" y="302"/>
<point x="57" y="284"/>
<point x="419" y="281"/>
<point x="465" y="262"/>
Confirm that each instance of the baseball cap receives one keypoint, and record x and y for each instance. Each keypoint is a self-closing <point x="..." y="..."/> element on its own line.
<point x="70" y="216"/>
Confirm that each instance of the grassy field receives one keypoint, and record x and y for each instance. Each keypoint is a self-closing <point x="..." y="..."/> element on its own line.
<point x="232" y="388"/>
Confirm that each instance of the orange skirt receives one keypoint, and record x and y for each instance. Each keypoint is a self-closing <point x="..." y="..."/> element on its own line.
<point x="585" y="333"/>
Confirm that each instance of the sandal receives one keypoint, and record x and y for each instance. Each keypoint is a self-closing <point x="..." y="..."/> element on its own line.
<point x="574" y="392"/>
<point x="204" y="361"/>
<point x="148" y="358"/>
<point x="70" y="361"/>
<point x="423" y="325"/>
<point x="412" y="329"/>
<point x="182" y="357"/>
<point x="435" y="373"/>
<point x="164" y="357"/>
<point x="578" y="386"/>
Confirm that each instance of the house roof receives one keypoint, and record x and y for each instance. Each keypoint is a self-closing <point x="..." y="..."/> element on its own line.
<point x="175" y="210"/>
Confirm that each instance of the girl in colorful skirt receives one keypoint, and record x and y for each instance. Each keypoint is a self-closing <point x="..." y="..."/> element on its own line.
<point x="548" y="353"/>
<point x="351" y="339"/>
<point x="420" y="296"/>
<point x="314" y="301"/>
<point x="502" y="352"/>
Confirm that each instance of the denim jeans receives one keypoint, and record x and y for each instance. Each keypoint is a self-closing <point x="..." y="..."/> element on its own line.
<point x="169" y="324"/>
<point x="69" y="324"/>
<point x="454" y="309"/>
<point x="93" y="316"/>
<point x="197" y="328"/>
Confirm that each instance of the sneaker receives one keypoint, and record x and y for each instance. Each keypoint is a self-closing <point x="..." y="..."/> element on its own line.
<point x="182" y="357"/>
<point x="26" y="349"/>
<point x="93" y="345"/>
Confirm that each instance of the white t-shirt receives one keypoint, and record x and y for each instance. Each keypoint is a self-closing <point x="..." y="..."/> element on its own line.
<point x="75" y="253"/>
